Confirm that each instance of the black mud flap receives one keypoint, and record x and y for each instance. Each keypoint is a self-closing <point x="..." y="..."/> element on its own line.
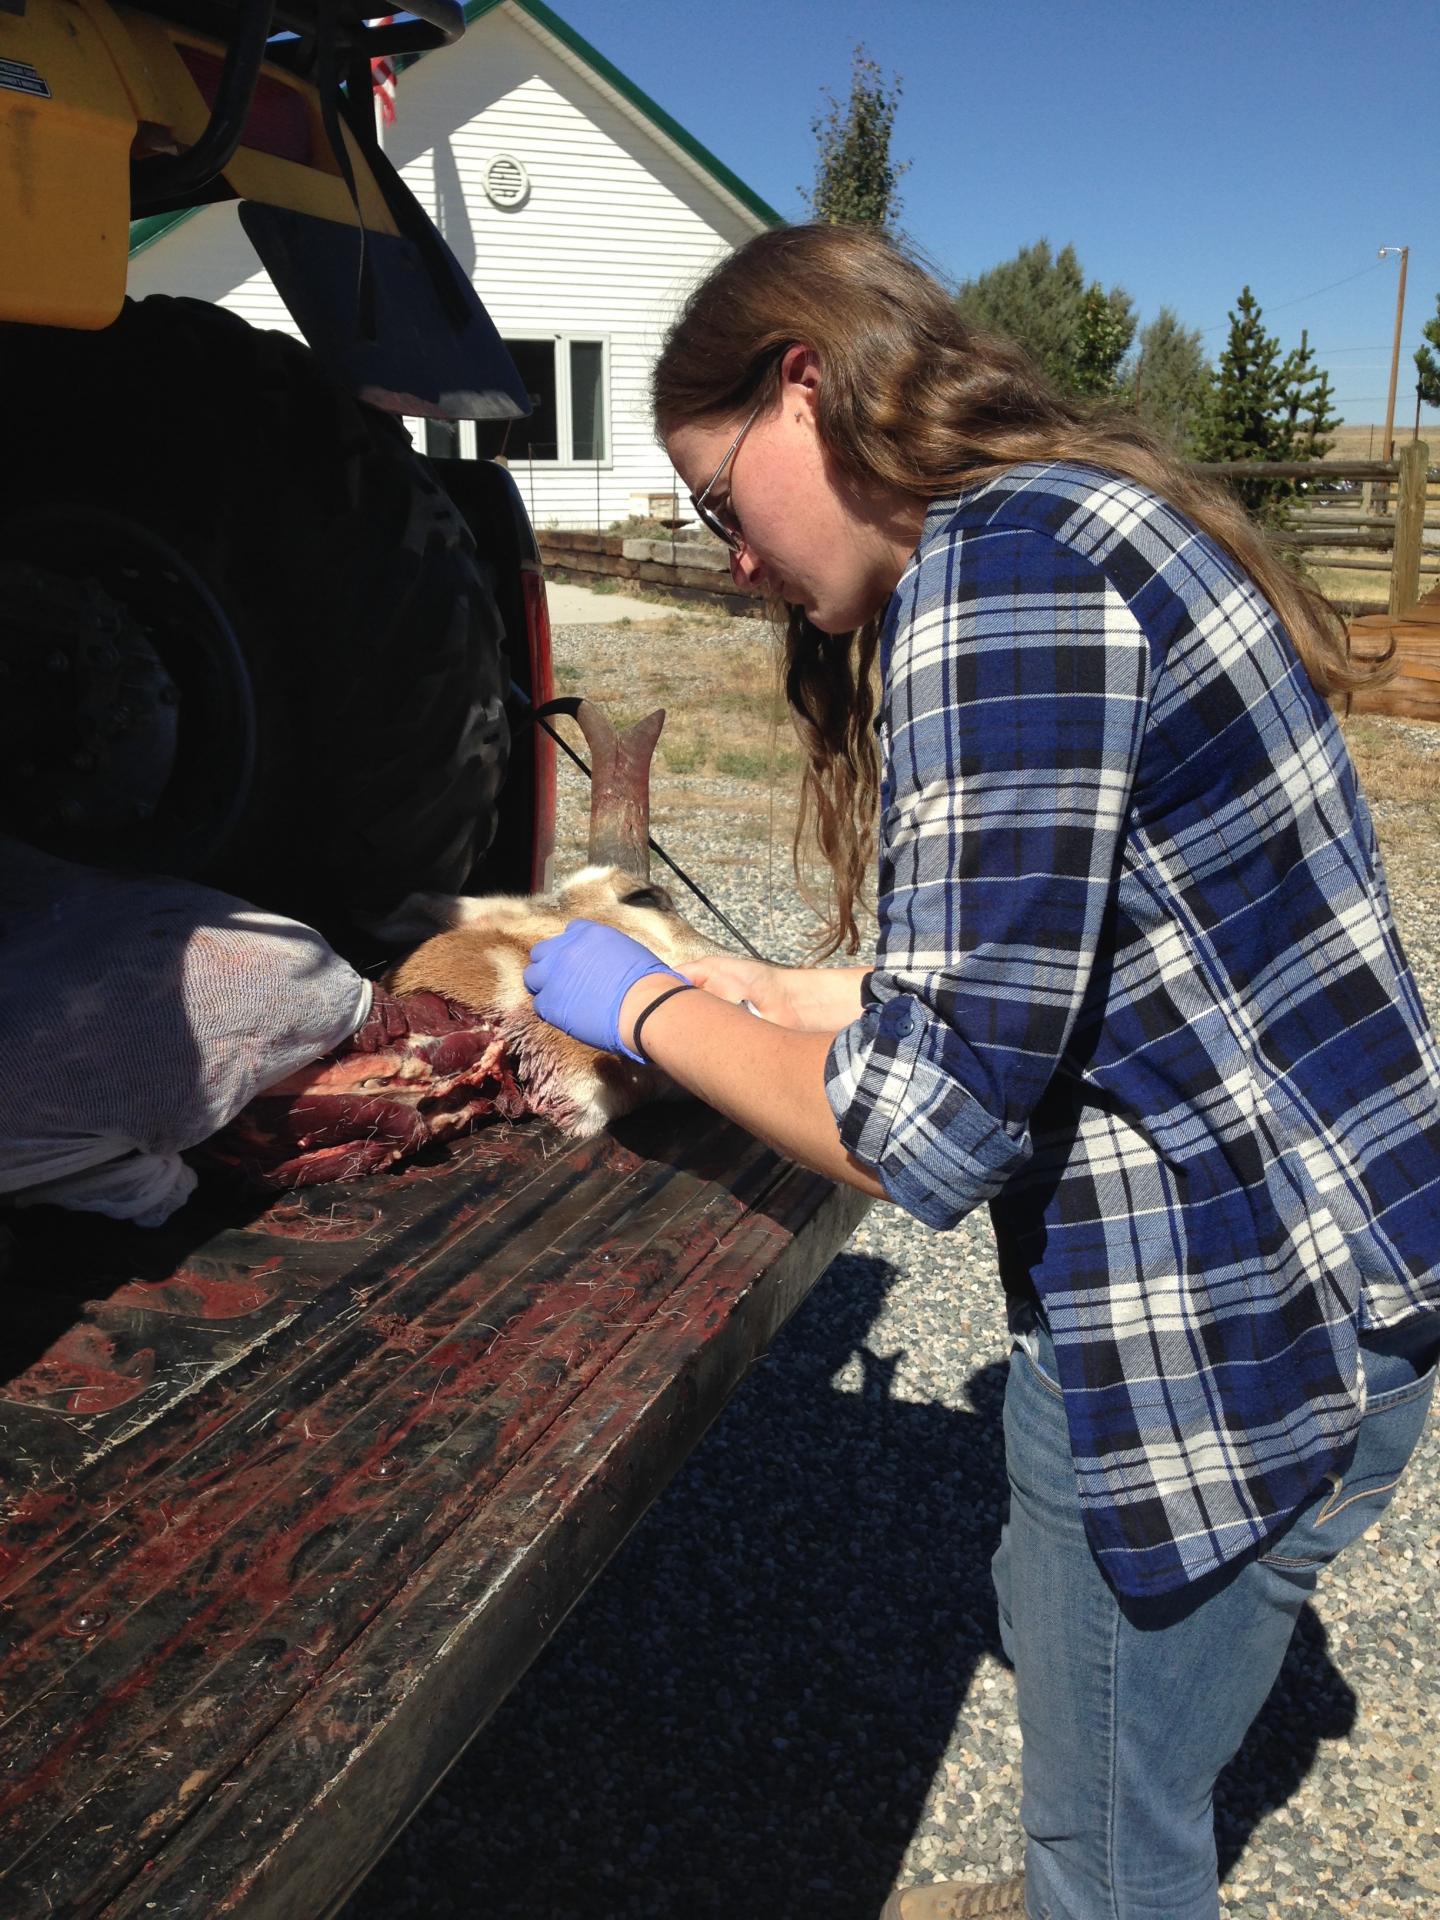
<point x="386" y="330"/>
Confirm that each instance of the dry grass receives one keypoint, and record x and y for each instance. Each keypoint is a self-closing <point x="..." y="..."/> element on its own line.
<point x="1358" y="443"/>
<point x="725" y="711"/>
<point x="1402" y="783"/>
<point x="1368" y="443"/>
<point x="1349" y="588"/>
<point x="726" y="718"/>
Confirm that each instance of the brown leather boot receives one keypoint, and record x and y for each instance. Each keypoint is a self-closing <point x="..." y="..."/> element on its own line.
<point x="959" y="1900"/>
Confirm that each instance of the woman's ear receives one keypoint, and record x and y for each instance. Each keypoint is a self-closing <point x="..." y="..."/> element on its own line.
<point x="800" y="378"/>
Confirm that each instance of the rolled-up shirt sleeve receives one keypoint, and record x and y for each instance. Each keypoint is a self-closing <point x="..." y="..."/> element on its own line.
<point x="1015" y="693"/>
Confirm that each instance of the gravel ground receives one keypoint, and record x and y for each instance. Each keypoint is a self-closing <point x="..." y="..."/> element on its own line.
<point x="785" y="1695"/>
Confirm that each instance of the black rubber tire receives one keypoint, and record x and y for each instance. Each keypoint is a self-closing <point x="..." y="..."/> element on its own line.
<point x="373" y="642"/>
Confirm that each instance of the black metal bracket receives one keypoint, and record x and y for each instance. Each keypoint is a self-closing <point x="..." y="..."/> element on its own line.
<point x="172" y="177"/>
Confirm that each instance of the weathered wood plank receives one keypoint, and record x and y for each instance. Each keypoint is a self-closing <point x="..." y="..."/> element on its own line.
<point x="364" y="1749"/>
<point x="213" y="1560"/>
<point x="259" y="1533"/>
<point x="1317" y="470"/>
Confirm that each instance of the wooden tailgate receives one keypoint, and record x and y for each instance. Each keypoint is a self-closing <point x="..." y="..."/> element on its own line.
<point x="293" y="1496"/>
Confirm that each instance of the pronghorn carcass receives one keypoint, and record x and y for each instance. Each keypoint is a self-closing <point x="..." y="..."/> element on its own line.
<point x="479" y="954"/>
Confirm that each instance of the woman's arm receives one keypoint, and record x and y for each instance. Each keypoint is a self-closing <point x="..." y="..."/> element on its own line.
<point x="768" y="1079"/>
<point x="809" y="999"/>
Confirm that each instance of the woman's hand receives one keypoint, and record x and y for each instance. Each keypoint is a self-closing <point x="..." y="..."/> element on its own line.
<point x="729" y="977"/>
<point x="805" y="999"/>
<point x="579" y="980"/>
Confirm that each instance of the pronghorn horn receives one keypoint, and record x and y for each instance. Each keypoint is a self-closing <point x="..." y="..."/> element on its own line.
<point x="620" y="788"/>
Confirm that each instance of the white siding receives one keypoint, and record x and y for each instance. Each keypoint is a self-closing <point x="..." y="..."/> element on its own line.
<point x="617" y="226"/>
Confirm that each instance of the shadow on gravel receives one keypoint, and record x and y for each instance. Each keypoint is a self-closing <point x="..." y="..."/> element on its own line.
<point x="1310" y="1701"/>
<point x="743" y="1718"/>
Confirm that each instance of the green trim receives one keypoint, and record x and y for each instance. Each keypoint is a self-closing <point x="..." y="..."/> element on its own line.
<point x="144" y="233"/>
<point x="651" y="109"/>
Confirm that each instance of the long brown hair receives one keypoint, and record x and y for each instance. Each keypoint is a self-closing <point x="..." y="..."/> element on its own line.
<point x="913" y="400"/>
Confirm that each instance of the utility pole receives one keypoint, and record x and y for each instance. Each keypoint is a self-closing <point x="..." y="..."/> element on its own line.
<point x="1404" y="253"/>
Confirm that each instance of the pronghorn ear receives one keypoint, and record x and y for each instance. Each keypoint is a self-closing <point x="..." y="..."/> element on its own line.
<point x="658" y="897"/>
<point x="416" y="917"/>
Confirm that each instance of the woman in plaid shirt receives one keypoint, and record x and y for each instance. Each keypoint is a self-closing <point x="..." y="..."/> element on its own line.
<point x="1137" y="986"/>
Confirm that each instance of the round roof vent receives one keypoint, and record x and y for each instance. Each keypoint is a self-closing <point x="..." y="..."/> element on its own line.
<point x="507" y="185"/>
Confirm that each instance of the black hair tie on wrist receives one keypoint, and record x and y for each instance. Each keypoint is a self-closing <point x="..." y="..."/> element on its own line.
<point x="685" y="986"/>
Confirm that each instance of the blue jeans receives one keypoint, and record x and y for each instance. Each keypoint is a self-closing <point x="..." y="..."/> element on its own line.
<point x="1129" y="1711"/>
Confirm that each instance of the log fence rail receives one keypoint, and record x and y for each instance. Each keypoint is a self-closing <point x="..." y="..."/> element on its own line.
<point x="1363" y="516"/>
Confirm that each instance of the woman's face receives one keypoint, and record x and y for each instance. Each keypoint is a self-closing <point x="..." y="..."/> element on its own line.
<point x="809" y="536"/>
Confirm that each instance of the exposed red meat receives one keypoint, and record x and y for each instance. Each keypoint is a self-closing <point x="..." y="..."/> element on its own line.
<point x="420" y="1068"/>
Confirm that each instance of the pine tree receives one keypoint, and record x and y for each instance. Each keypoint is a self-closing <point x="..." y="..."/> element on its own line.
<point x="1168" y="382"/>
<point x="1427" y="361"/>
<point x="1039" y="300"/>
<point x="1246" y="417"/>
<point x="855" y="177"/>
<point x="1309" y="423"/>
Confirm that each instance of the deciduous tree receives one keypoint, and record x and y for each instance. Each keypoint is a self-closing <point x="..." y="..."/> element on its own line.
<point x="855" y="176"/>
<point x="1102" y="340"/>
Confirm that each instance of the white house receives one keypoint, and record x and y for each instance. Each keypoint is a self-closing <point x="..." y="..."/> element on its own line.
<point x="583" y="213"/>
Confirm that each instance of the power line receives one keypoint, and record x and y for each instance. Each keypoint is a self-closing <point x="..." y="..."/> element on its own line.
<point x="1374" y="267"/>
<point x="1363" y="399"/>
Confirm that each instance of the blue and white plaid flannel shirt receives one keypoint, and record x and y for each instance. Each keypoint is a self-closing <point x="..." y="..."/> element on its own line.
<point x="1138" y="985"/>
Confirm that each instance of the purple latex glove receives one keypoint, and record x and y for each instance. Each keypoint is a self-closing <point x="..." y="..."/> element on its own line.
<point x="579" y="979"/>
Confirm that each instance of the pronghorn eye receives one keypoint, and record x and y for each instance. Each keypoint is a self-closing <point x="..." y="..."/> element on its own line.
<point x="649" y="897"/>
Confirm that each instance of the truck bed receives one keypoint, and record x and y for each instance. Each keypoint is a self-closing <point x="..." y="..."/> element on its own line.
<point x="294" y="1493"/>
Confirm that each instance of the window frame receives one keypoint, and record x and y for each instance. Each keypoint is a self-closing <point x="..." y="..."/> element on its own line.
<point x="564" y="396"/>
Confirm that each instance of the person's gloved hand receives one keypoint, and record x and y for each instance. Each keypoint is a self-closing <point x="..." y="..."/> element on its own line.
<point x="579" y="978"/>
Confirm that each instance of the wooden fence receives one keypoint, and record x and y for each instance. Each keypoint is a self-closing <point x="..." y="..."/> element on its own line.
<point x="1376" y="517"/>
<point x="1412" y="640"/>
<point x="1371" y="516"/>
<point x="1360" y="516"/>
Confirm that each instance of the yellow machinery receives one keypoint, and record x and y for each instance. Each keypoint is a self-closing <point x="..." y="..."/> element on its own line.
<point x="86" y="91"/>
<point x="110" y="113"/>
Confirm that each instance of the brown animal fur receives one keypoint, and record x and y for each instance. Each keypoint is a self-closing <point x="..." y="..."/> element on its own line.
<point x="480" y="960"/>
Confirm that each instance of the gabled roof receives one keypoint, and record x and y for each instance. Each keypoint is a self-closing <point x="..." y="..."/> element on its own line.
<point x="144" y="233"/>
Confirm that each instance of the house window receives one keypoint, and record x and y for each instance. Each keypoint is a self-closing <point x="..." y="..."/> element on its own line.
<point x="587" y="400"/>
<point x="451" y="439"/>
<point x="442" y="439"/>
<point x="537" y="438"/>
<point x="566" y="381"/>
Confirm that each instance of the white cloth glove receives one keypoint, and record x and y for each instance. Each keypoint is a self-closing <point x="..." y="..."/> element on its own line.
<point x="138" y="1015"/>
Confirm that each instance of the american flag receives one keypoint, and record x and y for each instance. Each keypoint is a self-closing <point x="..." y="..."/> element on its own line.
<point x="382" y="74"/>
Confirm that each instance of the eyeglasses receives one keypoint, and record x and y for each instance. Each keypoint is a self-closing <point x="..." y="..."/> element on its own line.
<point x="721" y="520"/>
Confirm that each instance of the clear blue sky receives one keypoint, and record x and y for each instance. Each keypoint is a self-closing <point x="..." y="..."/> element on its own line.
<point x="1184" y="149"/>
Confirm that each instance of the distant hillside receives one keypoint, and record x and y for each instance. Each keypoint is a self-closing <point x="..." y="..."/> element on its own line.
<point x="1358" y="443"/>
<point x="1367" y="443"/>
